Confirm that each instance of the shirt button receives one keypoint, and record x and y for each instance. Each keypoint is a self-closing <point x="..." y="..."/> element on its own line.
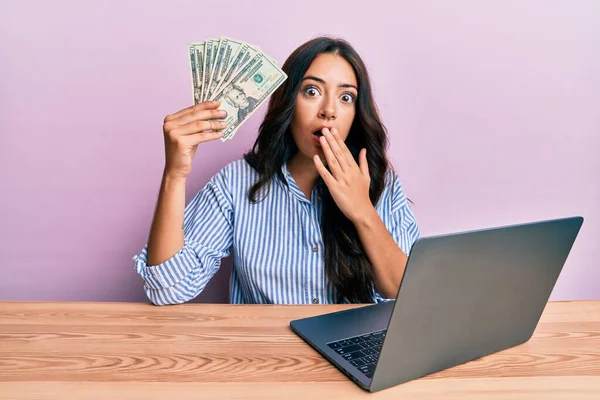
<point x="315" y="249"/>
<point x="315" y="300"/>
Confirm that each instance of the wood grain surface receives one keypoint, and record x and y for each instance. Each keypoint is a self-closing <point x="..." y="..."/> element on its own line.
<point x="219" y="351"/>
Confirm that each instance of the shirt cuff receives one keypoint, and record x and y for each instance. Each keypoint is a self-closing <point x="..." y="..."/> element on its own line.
<point x="168" y="273"/>
<point x="379" y="298"/>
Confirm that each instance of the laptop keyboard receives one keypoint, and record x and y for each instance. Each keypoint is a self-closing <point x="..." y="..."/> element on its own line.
<point x="362" y="351"/>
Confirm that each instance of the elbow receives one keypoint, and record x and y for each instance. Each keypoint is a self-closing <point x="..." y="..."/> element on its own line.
<point x="165" y="297"/>
<point x="181" y="292"/>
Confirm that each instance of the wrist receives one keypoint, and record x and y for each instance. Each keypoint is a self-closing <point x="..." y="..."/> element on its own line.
<point x="173" y="176"/>
<point x="366" y="219"/>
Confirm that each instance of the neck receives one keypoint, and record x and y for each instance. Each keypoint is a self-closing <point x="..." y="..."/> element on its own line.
<point x="303" y="171"/>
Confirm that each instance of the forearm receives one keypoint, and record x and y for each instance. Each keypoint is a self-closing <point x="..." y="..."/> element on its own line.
<point x="166" y="233"/>
<point x="387" y="259"/>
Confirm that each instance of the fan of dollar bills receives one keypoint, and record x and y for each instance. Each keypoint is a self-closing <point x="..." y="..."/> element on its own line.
<point x="235" y="73"/>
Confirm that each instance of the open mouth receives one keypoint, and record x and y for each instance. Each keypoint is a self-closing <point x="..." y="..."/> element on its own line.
<point x="319" y="132"/>
<point x="316" y="135"/>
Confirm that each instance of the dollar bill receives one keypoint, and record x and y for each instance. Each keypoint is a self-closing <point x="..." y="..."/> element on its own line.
<point x="216" y="43"/>
<point x="209" y="58"/>
<point x="243" y="57"/>
<point x="228" y="48"/>
<point x="247" y="90"/>
<point x="235" y="73"/>
<point x="196" y="53"/>
<point x="211" y="70"/>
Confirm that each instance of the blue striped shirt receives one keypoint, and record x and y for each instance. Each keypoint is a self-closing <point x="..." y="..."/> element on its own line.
<point x="277" y="245"/>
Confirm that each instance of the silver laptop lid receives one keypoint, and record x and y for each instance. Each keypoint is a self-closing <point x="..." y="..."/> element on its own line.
<point x="470" y="294"/>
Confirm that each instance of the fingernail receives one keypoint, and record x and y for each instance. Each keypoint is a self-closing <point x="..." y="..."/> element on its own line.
<point x="222" y="113"/>
<point x="223" y="123"/>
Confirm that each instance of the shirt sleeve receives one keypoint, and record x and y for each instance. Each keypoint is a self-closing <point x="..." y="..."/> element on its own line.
<point x="404" y="228"/>
<point x="208" y="237"/>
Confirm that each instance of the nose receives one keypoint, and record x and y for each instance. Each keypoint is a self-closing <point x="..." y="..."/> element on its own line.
<point x="327" y="110"/>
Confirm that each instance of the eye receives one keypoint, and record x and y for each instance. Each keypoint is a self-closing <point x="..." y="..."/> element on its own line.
<point x="348" y="97"/>
<point x="311" y="91"/>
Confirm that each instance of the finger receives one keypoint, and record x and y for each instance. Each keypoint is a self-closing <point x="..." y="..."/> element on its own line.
<point x="332" y="162"/>
<point x="205" y="137"/>
<point x="327" y="177"/>
<point x="197" y="115"/>
<point x="336" y="150"/>
<point x="199" y="126"/>
<point x="205" y="105"/>
<point x="364" y="165"/>
<point x="345" y="150"/>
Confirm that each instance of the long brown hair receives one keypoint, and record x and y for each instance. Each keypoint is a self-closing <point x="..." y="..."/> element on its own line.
<point x="346" y="263"/>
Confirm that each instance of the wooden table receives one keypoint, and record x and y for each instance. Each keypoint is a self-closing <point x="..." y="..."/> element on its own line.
<point x="215" y="351"/>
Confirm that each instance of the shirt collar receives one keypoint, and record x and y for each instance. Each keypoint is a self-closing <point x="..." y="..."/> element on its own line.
<point x="289" y="179"/>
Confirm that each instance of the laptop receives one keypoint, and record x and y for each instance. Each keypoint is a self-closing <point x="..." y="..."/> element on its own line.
<point x="463" y="296"/>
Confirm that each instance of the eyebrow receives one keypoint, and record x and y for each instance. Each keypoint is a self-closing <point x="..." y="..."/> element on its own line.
<point x="314" y="78"/>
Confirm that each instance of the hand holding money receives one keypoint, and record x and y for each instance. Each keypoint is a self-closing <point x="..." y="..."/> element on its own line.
<point x="187" y="128"/>
<point x="238" y="75"/>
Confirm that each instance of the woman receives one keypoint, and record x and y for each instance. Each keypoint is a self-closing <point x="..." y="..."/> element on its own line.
<point x="313" y="213"/>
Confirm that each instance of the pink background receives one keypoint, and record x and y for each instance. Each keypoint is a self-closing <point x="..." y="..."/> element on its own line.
<point x="493" y="110"/>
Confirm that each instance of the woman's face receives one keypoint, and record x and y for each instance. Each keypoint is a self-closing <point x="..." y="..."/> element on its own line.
<point x="327" y="98"/>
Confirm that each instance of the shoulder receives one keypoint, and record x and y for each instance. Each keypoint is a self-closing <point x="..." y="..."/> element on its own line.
<point x="393" y="192"/>
<point x="236" y="176"/>
<point x="238" y="167"/>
